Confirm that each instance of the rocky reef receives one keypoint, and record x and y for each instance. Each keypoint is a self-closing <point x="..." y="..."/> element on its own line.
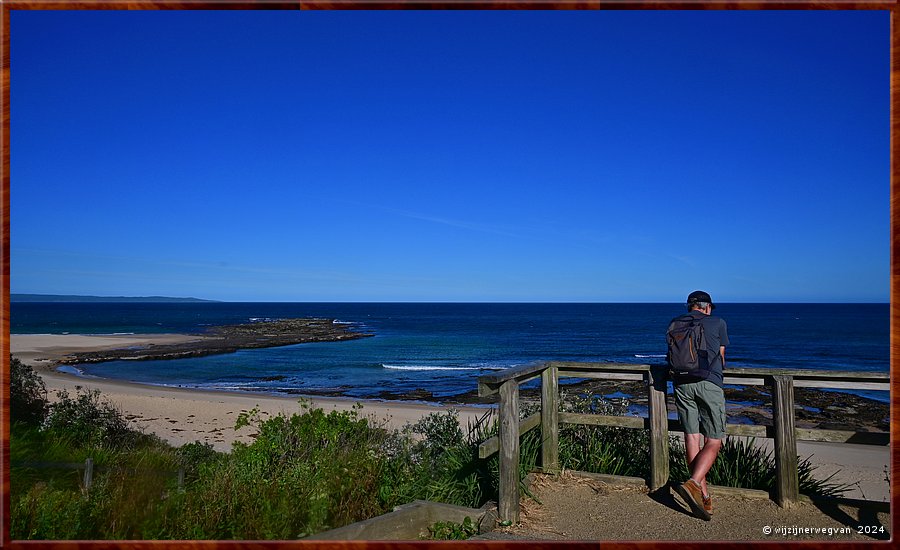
<point x="231" y="338"/>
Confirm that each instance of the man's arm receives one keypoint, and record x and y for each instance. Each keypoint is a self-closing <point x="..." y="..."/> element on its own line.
<point x="722" y="353"/>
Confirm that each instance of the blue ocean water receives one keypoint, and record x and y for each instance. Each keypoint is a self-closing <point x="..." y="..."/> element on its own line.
<point x="443" y="347"/>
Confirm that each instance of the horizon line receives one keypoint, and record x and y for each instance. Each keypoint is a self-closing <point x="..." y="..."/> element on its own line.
<point x="211" y="300"/>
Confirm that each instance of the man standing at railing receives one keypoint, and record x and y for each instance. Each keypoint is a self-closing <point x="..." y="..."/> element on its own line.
<point x="699" y="396"/>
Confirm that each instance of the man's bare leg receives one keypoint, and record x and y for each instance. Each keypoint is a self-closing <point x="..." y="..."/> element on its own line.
<point x="701" y="460"/>
<point x="691" y="450"/>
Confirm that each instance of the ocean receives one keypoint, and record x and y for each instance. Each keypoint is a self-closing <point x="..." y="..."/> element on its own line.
<point x="443" y="347"/>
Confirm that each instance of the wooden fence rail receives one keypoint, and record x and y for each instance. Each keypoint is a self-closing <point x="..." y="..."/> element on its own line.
<point x="89" y="467"/>
<point x="783" y="431"/>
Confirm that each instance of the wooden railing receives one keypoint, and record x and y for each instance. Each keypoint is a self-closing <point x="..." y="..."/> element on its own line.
<point x="782" y="430"/>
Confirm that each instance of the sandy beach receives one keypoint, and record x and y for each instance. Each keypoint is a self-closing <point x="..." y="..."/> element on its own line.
<point x="183" y="416"/>
<point x="44" y="351"/>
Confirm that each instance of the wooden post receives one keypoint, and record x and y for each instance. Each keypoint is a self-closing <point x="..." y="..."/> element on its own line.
<point x="787" y="478"/>
<point x="88" y="473"/>
<point x="508" y="506"/>
<point x="659" y="429"/>
<point x="550" y="420"/>
<point x="181" y="478"/>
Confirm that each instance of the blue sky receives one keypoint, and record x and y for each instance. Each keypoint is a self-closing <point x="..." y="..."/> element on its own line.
<point x="451" y="156"/>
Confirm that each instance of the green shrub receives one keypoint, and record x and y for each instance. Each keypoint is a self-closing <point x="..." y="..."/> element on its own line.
<point x="303" y="474"/>
<point x="192" y="457"/>
<point x="602" y="449"/>
<point x="133" y="472"/>
<point x="440" y="432"/>
<point x="89" y="420"/>
<point x="450" y="530"/>
<point x="27" y="394"/>
<point x="29" y="445"/>
<point x="433" y="460"/>
<point x="44" y="512"/>
<point x="127" y="491"/>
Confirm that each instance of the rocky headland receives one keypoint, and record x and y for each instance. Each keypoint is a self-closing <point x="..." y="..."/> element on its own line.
<point x="228" y="339"/>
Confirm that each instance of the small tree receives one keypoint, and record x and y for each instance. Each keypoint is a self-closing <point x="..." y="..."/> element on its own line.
<point x="28" y="395"/>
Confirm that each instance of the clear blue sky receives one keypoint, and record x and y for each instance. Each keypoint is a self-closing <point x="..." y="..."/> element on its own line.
<point x="451" y="156"/>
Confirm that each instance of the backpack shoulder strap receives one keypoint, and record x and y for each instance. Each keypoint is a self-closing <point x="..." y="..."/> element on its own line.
<point x="687" y="317"/>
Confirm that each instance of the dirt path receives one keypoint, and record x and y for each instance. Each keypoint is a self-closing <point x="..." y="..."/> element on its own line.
<point x="573" y="508"/>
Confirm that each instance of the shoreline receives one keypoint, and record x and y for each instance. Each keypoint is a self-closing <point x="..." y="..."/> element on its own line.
<point x="216" y="340"/>
<point x="815" y="408"/>
<point x="185" y="415"/>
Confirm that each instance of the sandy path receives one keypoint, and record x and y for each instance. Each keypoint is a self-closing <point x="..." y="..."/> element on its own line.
<point x="572" y="508"/>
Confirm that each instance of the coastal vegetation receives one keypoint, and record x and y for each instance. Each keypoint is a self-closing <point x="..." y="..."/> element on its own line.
<point x="450" y="530"/>
<point x="303" y="473"/>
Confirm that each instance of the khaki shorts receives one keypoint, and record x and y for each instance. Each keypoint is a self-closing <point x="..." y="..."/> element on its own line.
<point x="701" y="408"/>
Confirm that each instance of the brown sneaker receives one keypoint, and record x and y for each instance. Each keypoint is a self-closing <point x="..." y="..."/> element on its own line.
<point x="693" y="496"/>
<point x="707" y="504"/>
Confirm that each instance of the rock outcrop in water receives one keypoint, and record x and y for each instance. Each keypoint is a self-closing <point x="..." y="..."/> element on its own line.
<point x="231" y="338"/>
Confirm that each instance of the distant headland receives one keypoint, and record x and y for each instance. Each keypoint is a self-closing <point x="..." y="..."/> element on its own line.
<point x="104" y="299"/>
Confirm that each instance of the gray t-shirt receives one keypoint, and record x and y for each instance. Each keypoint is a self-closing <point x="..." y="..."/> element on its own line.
<point x="715" y="334"/>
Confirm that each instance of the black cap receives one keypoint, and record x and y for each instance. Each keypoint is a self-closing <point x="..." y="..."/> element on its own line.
<point x="700" y="296"/>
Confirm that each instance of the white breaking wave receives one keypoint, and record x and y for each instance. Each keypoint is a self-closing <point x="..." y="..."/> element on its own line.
<point x="426" y="367"/>
<point x="438" y="367"/>
<point x="648" y="356"/>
